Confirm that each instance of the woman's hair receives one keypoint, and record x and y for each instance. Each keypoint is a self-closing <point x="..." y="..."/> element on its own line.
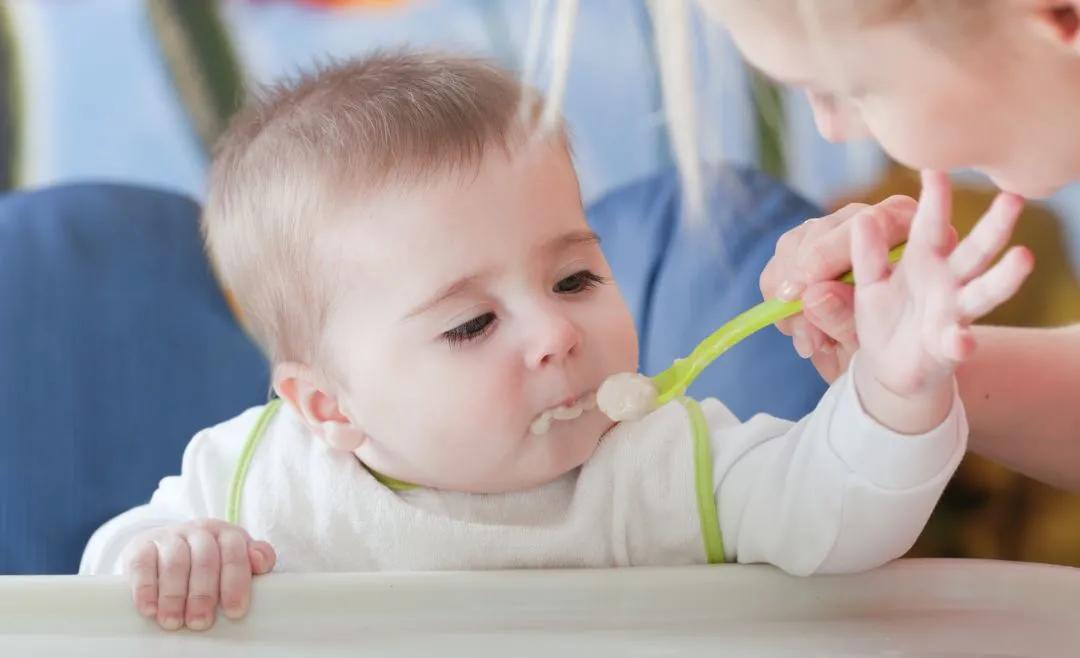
<point x="671" y="21"/>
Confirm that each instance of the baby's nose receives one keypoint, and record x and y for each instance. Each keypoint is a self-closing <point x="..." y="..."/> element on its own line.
<point x="553" y="343"/>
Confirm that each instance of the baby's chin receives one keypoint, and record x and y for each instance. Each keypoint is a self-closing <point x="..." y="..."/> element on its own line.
<point x="536" y="460"/>
<point x="566" y="446"/>
<point x="571" y="443"/>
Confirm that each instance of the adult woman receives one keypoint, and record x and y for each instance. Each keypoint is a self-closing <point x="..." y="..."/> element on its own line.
<point x="992" y="86"/>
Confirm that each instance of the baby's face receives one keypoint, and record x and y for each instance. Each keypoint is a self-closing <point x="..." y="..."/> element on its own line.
<point x="469" y="307"/>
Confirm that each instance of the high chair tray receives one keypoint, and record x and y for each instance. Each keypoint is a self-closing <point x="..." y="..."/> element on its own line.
<point x="910" y="607"/>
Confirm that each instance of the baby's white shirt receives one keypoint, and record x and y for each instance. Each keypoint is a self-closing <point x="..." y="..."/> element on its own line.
<point x="835" y="492"/>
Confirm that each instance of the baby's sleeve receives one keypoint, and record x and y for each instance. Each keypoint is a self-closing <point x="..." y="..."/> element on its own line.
<point x="200" y="491"/>
<point x="835" y="492"/>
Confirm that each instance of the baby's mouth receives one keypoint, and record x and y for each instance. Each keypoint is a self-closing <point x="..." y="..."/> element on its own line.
<point x="575" y="409"/>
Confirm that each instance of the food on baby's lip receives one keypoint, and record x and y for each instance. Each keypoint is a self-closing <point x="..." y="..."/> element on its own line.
<point x="627" y="396"/>
<point x="542" y="423"/>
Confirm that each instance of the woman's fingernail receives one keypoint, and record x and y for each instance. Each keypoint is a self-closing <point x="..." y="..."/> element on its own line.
<point x="802" y="344"/>
<point x="788" y="291"/>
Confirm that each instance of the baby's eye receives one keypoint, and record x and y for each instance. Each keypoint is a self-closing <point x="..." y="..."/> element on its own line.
<point x="472" y="330"/>
<point x="578" y="282"/>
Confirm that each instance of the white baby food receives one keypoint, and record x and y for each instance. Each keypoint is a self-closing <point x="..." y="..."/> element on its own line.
<point x="626" y="396"/>
<point x="563" y="412"/>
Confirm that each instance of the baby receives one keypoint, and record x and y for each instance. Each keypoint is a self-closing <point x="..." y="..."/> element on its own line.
<point x="412" y="254"/>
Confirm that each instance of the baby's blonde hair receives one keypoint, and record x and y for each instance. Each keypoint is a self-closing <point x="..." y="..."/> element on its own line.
<point x="307" y="147"/>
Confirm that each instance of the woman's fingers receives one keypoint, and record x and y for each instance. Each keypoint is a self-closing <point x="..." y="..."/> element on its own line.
<point x="785" y="265"/>
<point x="831" y="362"/>
<point x="827" y="256"/>
<point x="809" y="256"/>
<point x="830" y="307"/>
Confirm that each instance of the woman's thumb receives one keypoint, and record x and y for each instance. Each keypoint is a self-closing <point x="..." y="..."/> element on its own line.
<point x="830" y="306"/>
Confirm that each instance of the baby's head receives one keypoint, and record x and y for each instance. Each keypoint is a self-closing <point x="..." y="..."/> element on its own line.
<point x="941" y="84"/>
<point x="414" y="258"/>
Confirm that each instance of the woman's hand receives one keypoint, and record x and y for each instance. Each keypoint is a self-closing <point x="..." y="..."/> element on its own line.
<point x="811" y="256"/>
<point x="807" y="261"/>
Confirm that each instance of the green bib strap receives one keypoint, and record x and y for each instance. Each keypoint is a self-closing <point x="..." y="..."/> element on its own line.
<point x="703" y="482"/>
<point x="236" y="487"/>
<point x="393" y="484"/>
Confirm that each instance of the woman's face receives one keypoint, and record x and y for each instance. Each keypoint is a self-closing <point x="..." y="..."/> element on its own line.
<point x="998" y="92"/>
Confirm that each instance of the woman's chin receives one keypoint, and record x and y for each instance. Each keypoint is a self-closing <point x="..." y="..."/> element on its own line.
<point x="1029" y="189"/>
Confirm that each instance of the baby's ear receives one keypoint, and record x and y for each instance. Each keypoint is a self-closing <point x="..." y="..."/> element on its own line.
<point x="309" y="395"/>
<point x="1062" y="18"/>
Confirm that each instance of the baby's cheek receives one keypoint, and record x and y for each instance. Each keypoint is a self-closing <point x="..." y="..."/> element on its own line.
<point x="618" y="339"/>
<point x="495" y="408"/>
<point x="479" y="433"/>
<point x="492" y="404"/>
<point x="477" y="399"/>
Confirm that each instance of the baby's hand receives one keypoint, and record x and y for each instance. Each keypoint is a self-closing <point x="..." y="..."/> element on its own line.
<point x="180" y="573"/>
<point x="913" y="321"/>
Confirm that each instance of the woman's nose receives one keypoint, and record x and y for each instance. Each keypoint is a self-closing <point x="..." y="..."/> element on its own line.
<point x="836" y="120"/>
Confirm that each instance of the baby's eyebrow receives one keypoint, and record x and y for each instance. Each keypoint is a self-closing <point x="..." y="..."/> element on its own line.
<point x="557" y="244"/>
<point x="571" y="239"/>
<point x="443" y="294"/>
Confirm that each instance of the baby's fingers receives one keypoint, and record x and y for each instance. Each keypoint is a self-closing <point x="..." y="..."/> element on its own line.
<point x="263" y="557"/>
<point x="142" y="568"/>
<point x="174" y="568"/>
<point x="202" y="598"/>
<point x="997" y="285"/>
<point x="931" y="227"/>
<point x="869" y="253"/>
<point x="979" y="249"/>
<point x="235" y="572"/>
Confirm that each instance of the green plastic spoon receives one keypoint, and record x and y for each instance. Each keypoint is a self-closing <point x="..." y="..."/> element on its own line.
<point x="674" y="381"/>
